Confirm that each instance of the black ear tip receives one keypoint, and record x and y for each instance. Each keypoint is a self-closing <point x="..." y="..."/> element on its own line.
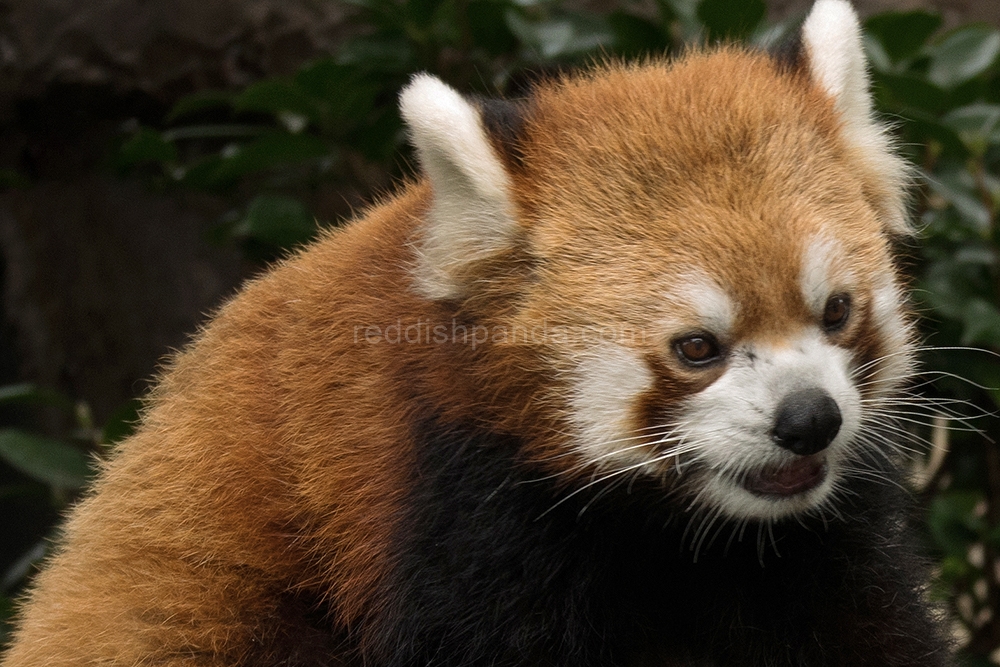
<point x="523" y="82"/>
<point x="790" y="53"/>
<point x="504" y="121"/>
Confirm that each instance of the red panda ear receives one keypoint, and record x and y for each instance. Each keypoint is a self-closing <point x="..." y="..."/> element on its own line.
<point x="832" y="38"/>
<point x="832" y="41"/>
<point x="472" y="216"/>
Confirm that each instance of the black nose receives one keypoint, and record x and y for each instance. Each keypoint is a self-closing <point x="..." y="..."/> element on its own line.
<point x="807" y="421"/>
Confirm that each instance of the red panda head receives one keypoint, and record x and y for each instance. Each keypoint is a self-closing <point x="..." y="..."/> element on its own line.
<point x="697" y="254"/>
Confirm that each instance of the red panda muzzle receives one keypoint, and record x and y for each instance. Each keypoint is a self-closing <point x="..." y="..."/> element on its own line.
<point x="800" y="475"/>
<point x="807" y="422"/>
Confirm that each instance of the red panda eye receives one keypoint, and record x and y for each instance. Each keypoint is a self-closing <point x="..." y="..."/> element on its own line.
<point x="698" y="349"/>
<point x="837" y="310"/>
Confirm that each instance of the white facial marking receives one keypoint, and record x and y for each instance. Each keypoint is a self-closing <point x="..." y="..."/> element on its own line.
<point x="606" y="385"/>
<point x="711" y="304"/>
<point x="820" y="275"/>
<point x="886" y="302"/>
<point x="888" y="317"/>
<point x="729" y="424"/>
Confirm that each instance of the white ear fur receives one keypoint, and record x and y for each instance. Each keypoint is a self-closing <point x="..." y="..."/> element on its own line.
<point x="472" y="215"/>
<point x="831" y="35"/>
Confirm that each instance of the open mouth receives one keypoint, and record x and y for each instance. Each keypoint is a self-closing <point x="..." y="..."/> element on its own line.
<point x="790" y="479"/>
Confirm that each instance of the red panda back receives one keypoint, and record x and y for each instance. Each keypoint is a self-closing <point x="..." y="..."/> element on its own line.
<point x="262" y="459"/>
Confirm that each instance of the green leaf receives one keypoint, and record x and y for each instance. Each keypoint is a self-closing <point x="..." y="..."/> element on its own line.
<point x="731" y="19"/>
<point x="48" y="460"/>
<point x="683" y="9"/>
<point x="909" y="90"/>
<point x="963" y="54"/>
<point x="769" y="36"/>
<point x="374" y="5"/>
<point x="378" y="55"/>
<point x="21" y="568"/>
<point x="958" y="188"/>
<point x="680" y="17"/>
<point x="33" y="394"/>
<point x="380" y="138"/>
<point x="146" y="146"/>
<point x="924" y="128"/>
<point x="953" y="521"/>
<point x="198" y="102"/>
<point x="421" y="12"/>
<point x="325" y="78"/>
<point x="877" y="55"/>
<point x="982" y="323"/>
<point x="956" y="278"/>
<point x="213" y="131"/>
<point x="201" y="174"/>
<point x="978" y="125"/>
<point x="666" y="14"/>
<point x="274" y="96"/>
<point x="276" y="220"/>
<point x="955" y="568"/>
<point x="563" y="35"/>
<point x="340" y="91"/>
<point x="902" y="34"/>
<point x="270" y="150"/>
<point x="992" y="537"/>
<point x="488" y="28"/>
<point x="122" y="422"/>
<point x="635" y="36"/>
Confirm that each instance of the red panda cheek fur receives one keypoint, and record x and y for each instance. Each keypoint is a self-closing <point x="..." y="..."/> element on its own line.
<point x="391" y="449"/>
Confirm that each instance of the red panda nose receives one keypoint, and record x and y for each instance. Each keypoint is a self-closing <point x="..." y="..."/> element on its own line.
<point x="807" y="421"/>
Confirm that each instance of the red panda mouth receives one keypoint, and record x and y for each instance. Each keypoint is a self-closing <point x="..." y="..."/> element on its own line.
<point x="791" y="479"/>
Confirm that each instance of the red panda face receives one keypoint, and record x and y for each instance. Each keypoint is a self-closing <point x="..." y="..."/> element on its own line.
<point x="739" y="341"/>
<point x="710" y="291"/>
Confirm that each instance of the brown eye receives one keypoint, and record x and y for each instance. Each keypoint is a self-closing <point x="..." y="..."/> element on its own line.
<point x="837" y="310"/>
<point x="698" y="349"/>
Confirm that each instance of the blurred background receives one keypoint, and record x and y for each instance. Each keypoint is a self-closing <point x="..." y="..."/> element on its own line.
<point x="154" y="155"/>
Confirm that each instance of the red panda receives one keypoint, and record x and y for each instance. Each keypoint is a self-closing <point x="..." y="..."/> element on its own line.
<point x="612" y="384"/>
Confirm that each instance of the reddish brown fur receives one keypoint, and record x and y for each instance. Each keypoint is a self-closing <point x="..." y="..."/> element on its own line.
<point x="802" y="182"/>
<point x="271" y="462"/>
<point x="654" y="146"/>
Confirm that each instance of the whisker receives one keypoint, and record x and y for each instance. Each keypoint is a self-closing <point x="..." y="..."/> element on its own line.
<point x="889" y="439"/>
<point x="703" y="531"/>
<point x="611" y="475"/>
